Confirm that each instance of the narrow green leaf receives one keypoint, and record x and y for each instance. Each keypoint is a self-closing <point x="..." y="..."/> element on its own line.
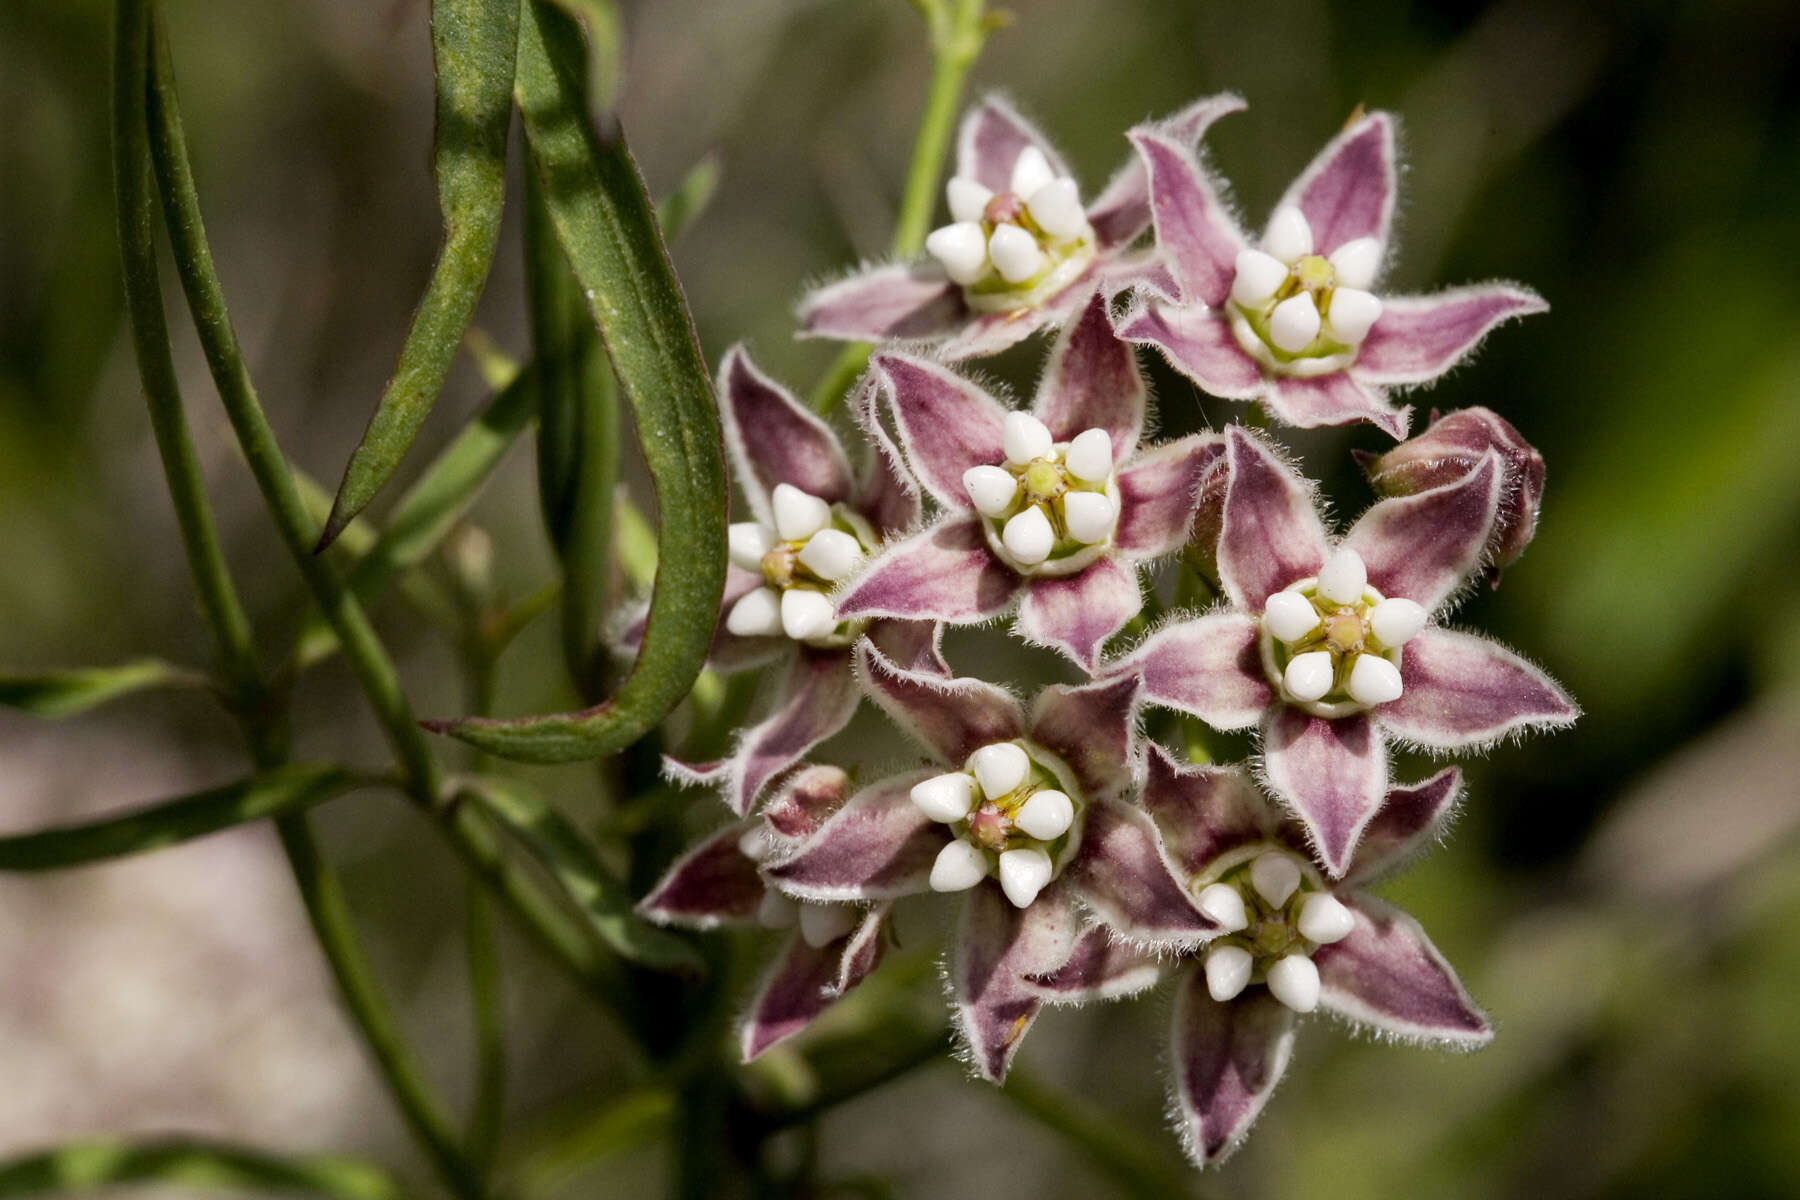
<point x="95" y="1164"/>
<point x="570" y="1153"/>
<point x="683" y="206"/>
<point x="472" y="48"/>
<point x="603" y="217"/>
<point x="66" y="693"/>
<point x="283" y="790"/>
<point x="571" y="859"/>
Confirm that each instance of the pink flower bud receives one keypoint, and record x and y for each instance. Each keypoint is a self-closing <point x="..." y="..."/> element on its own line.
<point x="1448" y="450"/>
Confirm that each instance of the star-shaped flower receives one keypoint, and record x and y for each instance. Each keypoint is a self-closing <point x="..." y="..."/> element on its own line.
<point x="1050" y="510"/>
<point x="815" y="519"/>
<point x="1294" y="940"/>
<point x="720" y="882"/>
<point x="1294" y="319"/>
<point x="1333" y="646"/>
<point x="1020" y="253"/>
<point x="1027" y="813"/>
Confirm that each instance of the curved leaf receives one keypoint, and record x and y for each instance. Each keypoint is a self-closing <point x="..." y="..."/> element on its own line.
<point x="66" y="693"/>
<point x="94" y="1164"/>
<point x="284" y="790"/>
<point x="603" y="217"/>
<point x="473" y="46"/>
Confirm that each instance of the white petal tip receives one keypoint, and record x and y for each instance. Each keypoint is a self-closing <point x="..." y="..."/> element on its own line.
<point x="1353" y="312"/>
<point x="1031" y="171"/>
<point x="749" y="541"/>
<point x="1014" y="253"/>
<point x="797" y="515"/>
<point x="999" y="768"/>
<point x="831" y="554"/>
<point x="1289" y="236"/>
<point x="1023" y="874"/>
<point x="1343" y="577"/>
<point x="807" y="614"/>
<point x="1294" y="323"/>
<point x="777" y="911"/>
<point x="961" y="249"/>
<point x="1373" y="680"/>
<point x="1090" y="456"/>
<point x="991" y="489"/>
<point x="1046" y="815"/>
<point x="967" y="199"/>
<point x="1324" y="919"/>
<point x="1397" y="621"/>
<point x="823" y="924"/>
<point x="1227" y="972"/>
<point x="1308" y="676"/>
<point x="958" y="867"/>
<point x="1056" y="207"/>
<point x="1028" y="537"/>
<point x="1024" y="438"/>
<point x="1088" y="516"/>
<point x="756" y="614"/>
<point x="946" y="797"/>
<point x="1225" y="905"/>
<point x="1289" y="616"/>
<point x="1258" y="277"/>
<point x="1356" y="262"/>
<point x="1275" y="876"/>
<point x="1295" y="982"/>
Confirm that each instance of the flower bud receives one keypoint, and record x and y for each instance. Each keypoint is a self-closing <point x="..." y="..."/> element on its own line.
<point x="1448" y="450"/>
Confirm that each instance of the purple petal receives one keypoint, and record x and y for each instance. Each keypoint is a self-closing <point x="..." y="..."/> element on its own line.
<point x="1101" y="968"/>
<point x="1209" y="666"/>
<point x="1331" y="773"/>
<point x="1075" y="614"/>
<point x="987" y="334"/>
<point x="1157" y="492"/>
<point x="1123" y="873"/>
<point x="773" y="438"/>
<point x="1142" y="270"/>
<point x="1089" y="726"/>
<point x="1388" y="975"/>
<point x="1193" y="228"/>
<point x="1348" y="190"/>
<point x="1409" y="818"/>
<point x="1092" y="381"/>
<point x="1227" y="1059"/>
<point x="862" y="948"/>
<point x="1460" y="690"/>
<point x="817" y="699"/>
<point x="877" y="846"/>
<point x="914" y="645"/>
<point x="950" y="717"/>
<point x="1122" y="210"/>
<point x="1418" y="338"/>
<point x="1199" y="343"/>
<point x="711" y="884"/>
<point x="886" y="494"/>
<point x="805" y="800"/>
<point x="946" y="423"/>
<point x="1203" y="811"/>
<point x="1335" y="399"/>
<point x="944" y="572"/>
<point x="1270" y="534"/>
<point x="990" y="139"/>
<point x="1425" y="545"/>
<point x="803" y="983"/>
<point x="878" y="304"/>
<point x="998" y="950"/>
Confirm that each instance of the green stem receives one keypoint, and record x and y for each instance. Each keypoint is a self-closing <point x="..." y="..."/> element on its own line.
<point x="490" y="1029"/>
<point x="331" y="922"/>
<point x="958" y="29"/>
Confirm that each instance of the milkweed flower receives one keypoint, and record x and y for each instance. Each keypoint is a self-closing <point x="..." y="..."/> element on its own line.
<point x="1021" y="252"/>
<point x="1334" y="646"/>
<point x="1050" y="511"/>
<point x="1295" y="318"/>
<point x="720" y="882"/>
<point x="1027" y="813"/>
<point x="1293" y="940"/>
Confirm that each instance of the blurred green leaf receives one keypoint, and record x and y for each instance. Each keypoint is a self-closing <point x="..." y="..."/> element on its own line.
<point x="94" y="1164"/>
<point x="683" y="206"/>
<point x="631" y="1120"/>
<point x="283" y="790"/>
<point x="603" y="217"/>
<point x="473" y="46"/>
<point x="568" y="855"/>
<point x="66" y="693"/>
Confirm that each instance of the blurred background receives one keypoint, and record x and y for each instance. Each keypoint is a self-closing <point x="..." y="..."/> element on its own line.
<point x="1623" y="897"/>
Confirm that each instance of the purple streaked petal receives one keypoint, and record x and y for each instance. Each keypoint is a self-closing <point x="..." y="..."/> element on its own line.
<point x="990" y="139"/>
<point x="1227" y="1060"/>
<point x="946" y="423"/>
<point x="1144" y="270"/>
<point x="1409" y="818"/>
<point x="1124" y="875"/>
<point x="886" y="493"/>
<point x="695" y="774"/>
<point x="1332" y="774"/>
<point x="816" y="700"/>
<point x="1424" y="546"/>
<point x="1091" y="381"/>
<point x="773" y="438"/>
<point x="1089" y="726"/>
<point x="987" y="334"/>
<point x="945" y="572"/>
<point x="1101" y="968"/>
<point x="862" y="948"/>
<point x="711" y="884"/>
<point x="1270" y="534"/>
<point x="1199" y="343"/>
<point x="1388" y="975"/>
<point x="1462" y="690"/>
<point x="913" y="645"/>
<point x="1347" y="192"/>
<point x="1203" y="811"/>
<point x="1075" y="614"/>
<point x="1157" y="492"/>
<point x="950" y="717"/>
<point x="1335" y="399"/>
<point x="1194" y="229"/>
<point x="805" y="800"/>
<point x="884" y="303"/>
<point x="1418" y="338"/>
<point x="801" y="985"/>
<point x="1122" y="210"/>
<point x="997" y="950"/>
<point x="1209" y="666"/>
<point x="876" y="847"/>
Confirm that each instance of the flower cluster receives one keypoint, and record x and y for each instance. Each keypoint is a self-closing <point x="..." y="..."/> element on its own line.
<point x="1093" y="859"/>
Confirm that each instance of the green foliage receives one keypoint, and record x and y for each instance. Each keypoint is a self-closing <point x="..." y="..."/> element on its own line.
<point x="67" y="693"/>
<point x="207" y="1168"/>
